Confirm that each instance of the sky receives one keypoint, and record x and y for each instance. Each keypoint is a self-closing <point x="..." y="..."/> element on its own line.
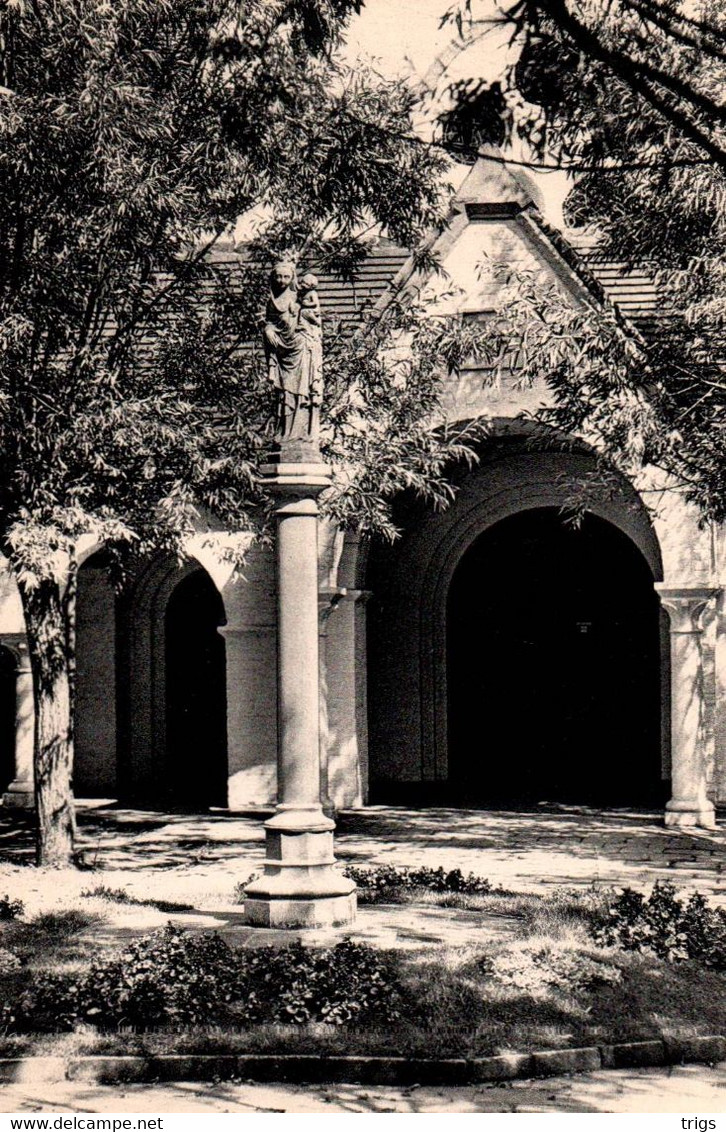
<point x="403" y="38"/>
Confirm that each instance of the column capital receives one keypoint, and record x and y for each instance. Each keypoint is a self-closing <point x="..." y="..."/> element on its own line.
<point x="686" y="606"/>
<point x="294" y="481"/>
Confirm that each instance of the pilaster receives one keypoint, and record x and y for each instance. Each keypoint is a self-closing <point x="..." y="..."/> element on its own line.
<point x="20" y="794"/>
<point x="687" y="608"/>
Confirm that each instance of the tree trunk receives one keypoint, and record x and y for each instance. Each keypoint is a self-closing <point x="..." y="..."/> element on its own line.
<point x="49" y="620"/>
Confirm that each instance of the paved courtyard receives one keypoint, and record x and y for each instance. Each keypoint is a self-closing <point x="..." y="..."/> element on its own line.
<point x="195" y="862"/>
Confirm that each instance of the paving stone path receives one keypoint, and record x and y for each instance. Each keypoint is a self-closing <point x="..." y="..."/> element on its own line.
<point x="546" y="848"/>
<point x="195" y="862"/>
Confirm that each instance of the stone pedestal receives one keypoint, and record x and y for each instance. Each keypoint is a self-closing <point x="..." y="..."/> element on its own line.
<point x="689" y="804"/>
<point x="20" y="794"/>
<point x="301" y="886"/>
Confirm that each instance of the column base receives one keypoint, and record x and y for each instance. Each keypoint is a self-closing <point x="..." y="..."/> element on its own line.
<point x="19" y="796"/>
<point x="301" y="887"/>
<point x="287" y="912"/>
<point x="690" y="812"/>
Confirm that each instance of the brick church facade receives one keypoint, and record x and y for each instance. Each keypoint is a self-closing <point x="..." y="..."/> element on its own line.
<point x="493" y="655"/>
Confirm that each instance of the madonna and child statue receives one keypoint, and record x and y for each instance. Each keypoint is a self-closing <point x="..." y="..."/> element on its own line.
<point x="293" y="340"/>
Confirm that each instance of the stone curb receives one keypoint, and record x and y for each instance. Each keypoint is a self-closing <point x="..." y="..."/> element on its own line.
<point x="310" y="1069"/>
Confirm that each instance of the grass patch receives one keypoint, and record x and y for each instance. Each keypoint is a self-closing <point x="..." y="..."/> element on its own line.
<point x="49" y="939"/>
<point x="121" y="896"/>
<point x="551" y="983"/>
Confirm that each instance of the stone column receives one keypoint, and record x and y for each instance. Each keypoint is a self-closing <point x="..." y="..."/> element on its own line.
<point x="689" y="804"/>
<point x="300" y="886"/>
<point x="328" y="601"/>
<point x="20" y="793"/>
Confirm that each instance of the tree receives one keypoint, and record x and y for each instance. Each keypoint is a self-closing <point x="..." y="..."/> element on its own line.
<point x="133" y="135"/>
<point x="628" y="95"/>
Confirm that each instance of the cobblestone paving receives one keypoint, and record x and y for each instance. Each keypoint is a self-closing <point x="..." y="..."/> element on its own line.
<point x="529" y="850"/>
<point x="193" y="864"/>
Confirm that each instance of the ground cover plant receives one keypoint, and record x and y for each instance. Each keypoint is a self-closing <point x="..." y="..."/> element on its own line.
<point x="394" y="884"/>
<point x="10" y="909"/>
<point x="666" y="925"/>
<point x="575" y="967"/>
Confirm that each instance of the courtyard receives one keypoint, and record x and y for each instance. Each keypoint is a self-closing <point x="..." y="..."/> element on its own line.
<point x="196" y="860"/>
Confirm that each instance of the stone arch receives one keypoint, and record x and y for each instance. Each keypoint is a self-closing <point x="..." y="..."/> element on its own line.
<point x="143" y="707"/>
<point x="410" y="582"/>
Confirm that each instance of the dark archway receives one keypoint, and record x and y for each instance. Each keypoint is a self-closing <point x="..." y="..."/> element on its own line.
<point x="8" y="665"/>
<point x="553" y="666"/>
<point x="196" y="698"/>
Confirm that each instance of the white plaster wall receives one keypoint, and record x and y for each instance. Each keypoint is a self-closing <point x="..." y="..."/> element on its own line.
<point x="11" y="610"/>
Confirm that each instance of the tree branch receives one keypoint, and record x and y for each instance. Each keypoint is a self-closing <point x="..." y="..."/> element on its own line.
<point x="585" y="39"/>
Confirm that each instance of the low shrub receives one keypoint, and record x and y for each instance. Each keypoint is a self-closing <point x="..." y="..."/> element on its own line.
<point x="103" y="892"/>
<point x="664" y="925"/>
<point x="171" y="978"/>
<point x="534" y="967"/>
<point x="9" y="962"/>
<point x="380" y="884"/>
<point x="60" y="926"/>
<point x="10" y="909"/>
<point x="348" y="983"/>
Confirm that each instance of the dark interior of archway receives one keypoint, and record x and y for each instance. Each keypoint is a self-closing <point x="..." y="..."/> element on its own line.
<point x="196" y="698"/>
<point x="553" y="668"/>
<point x="7" y="718"/>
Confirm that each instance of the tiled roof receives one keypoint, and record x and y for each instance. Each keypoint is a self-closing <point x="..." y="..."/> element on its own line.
<point x="346" y="303"/>
<point x="633" y="290"/>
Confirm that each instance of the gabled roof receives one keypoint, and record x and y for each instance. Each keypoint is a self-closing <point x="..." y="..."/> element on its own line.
<point x="633" y="290"/>
<point x="490" y="192"/>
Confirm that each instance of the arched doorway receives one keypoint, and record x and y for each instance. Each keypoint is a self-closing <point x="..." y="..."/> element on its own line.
<point x="553" y="666"/>
<point x="196" y="700"/>
<point x="7" y="718"/>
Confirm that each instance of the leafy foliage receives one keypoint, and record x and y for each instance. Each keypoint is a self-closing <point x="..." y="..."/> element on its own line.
<point x="388" y="884"/>
<point x="664" y="925"/>
<point x="133" y="136"/>
<point x="10" y="909"/>
<point x="171" y="978"/>
<point x="628" y="95"/>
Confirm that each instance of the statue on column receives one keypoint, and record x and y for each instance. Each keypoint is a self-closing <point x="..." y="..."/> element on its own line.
<point x="294" y="353"/>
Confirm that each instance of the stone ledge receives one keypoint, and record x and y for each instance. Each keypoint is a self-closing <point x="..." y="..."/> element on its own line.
<point x="634" y="1055"/>
<point x="362" y="1070"/>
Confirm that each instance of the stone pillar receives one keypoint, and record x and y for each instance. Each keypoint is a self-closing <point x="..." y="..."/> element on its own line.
<point x="300" y="886"/>
<point x="328" y="601"/>
<point x="20" y="793"/>
<point x="689" y="804"/>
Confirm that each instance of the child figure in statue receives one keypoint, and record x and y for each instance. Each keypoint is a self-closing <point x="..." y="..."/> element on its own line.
<point x="293" y="350"/>
<point x="311" y="331"/>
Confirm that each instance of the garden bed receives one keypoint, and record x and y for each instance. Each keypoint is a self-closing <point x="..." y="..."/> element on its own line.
<point x="577" y="969"/>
